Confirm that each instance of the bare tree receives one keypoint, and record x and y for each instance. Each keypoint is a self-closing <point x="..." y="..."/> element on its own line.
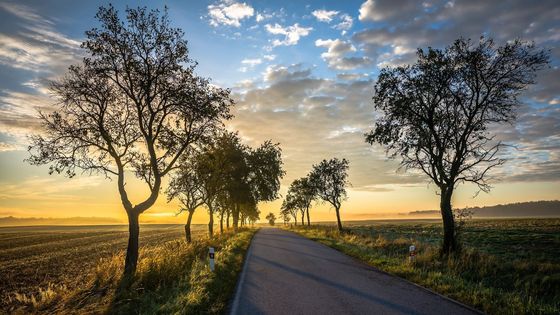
<point x="133" y="106"/>
<point x="329" y="180"/>
<point x="437" y="112"/>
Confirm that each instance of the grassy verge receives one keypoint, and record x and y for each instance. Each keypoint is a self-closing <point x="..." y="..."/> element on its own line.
<point x="172" y="278"/>
<point x="484" y="281"/>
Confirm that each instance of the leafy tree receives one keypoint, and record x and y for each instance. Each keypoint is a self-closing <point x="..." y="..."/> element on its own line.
<point x="437" y="113"/>
<point x="236" y="177"/>
<point x="251" y="213"/>
<point x="212" y="167"/>
<point x="253" y="175"/>
<point x="289" y="208"/>
<point x="329" y="180"/>
<point x="187" y="188"/>
<point x="133" y="104"/>
<point x="304" y="193"/>
<point x="285" y="214"/>
<point x="224" y="205"/>
<point x="264" y="172"/>
<point x="271" y="218"/>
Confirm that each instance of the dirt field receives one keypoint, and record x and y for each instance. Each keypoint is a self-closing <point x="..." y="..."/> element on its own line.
<point x="32" y="258"/>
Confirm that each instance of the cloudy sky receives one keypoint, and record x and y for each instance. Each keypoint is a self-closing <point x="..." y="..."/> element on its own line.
<point x="302" y="74"/>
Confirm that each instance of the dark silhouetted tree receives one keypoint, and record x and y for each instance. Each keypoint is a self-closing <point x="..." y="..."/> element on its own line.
<point x="329" y="180"/>
<point x="289" y="208"/>
<point x="212" y="168"/>
<point x="239" y="177"/>
<point x="437" y="112"/>
<point x="304" y="193"/>
<point x="285" y="214"/>
<point x="187" y="188"/>
<point x="271" y="218"/>
<point x="134" y="106"/>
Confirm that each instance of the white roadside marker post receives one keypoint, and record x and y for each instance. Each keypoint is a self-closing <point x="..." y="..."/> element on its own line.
<point x="412" y="251"/>
<point x="211" y="256"/>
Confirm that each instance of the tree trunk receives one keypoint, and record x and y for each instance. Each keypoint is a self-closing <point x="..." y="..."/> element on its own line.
<point x="338" y="218"/>
<point x="308" y="221"/>
<point x="303" y="218"/>
<point x="227" y="219"/>
<point x="188" y="226"/>
<point x="211" y="224"/>
<point x="449" y="242"/>
<point x="222" y="222"/>
<point x="131" y="260"/>
<point x="235" y="217"/>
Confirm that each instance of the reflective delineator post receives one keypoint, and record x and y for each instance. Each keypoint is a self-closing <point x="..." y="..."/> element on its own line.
<point x="211" y="256"/>
<point x="412" y="251"/>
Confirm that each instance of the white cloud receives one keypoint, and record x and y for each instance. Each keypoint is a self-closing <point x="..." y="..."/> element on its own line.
<point x="335" y="48"/>
<point x="378" y="10"/>
<point x="367" y="11"/>
<point x="336" y="52"/>
<point x="261" y="16"/>
<point x="229" y="13"/>
<point x="276" y="73"/>
<point x="36" y="46"/>
<point x="269" y="57"/>
<point x="351" y="76"/>
<point x="292" y="34"/>
<point x="324" y="15"/>
<point x="345" y="24"/>
<point x="251" y="62"/>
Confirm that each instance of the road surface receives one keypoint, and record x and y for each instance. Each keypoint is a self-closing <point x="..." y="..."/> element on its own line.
<point x="285" y="273"/>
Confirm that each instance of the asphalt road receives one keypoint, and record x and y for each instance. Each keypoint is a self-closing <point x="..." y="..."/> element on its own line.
<point x="285" y="273"/>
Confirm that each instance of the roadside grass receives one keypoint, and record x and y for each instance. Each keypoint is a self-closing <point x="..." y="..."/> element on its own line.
<point x="172" y="277"/>
<point x="483" y="275"/>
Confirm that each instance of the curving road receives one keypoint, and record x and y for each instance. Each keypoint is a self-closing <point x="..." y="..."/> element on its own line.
<point x="285" y="273"/>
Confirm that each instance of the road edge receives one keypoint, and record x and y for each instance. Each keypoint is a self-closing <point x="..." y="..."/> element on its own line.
<point x="234" y="305"/>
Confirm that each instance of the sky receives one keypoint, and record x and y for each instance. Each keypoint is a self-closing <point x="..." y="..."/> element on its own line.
<point x="302" y="74"/>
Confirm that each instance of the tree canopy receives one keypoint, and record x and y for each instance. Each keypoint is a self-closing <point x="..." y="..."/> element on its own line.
<point x="133" y="106"/>
<point x="329" y="179"/>
<point x="437" y="114"/>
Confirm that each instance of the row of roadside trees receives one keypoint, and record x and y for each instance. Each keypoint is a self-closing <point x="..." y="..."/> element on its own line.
<point x="325" y="183"/>
<point x="228" y="179"/>
<point x="134" y="109"/>
<point x="437" y="116"/>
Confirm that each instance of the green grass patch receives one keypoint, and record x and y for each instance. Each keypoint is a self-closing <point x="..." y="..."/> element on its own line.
<point x="172" y="278"/>
<point x="506" y="267"/>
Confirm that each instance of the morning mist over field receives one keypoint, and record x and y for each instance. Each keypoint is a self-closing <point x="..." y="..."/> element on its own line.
<point x="301" y="75"/>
